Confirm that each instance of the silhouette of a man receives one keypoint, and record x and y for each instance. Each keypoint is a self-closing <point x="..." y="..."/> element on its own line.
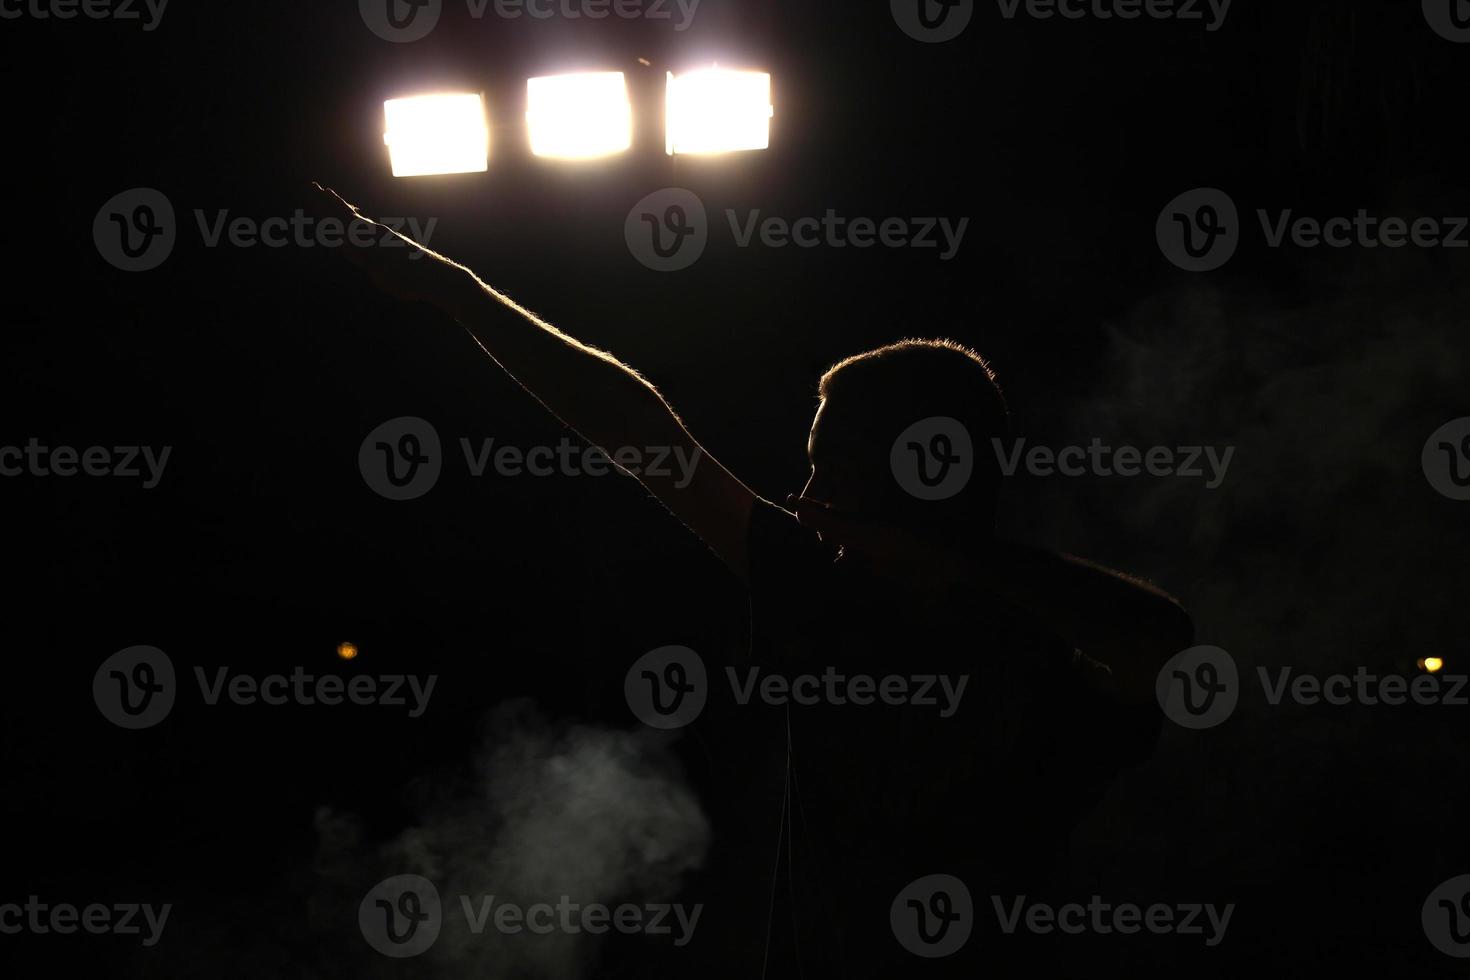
<point x="1005" y="685"/>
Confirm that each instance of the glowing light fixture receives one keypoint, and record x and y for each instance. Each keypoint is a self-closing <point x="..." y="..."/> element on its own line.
<point x="716" y="110"/>
<point x="1432" y="665"/>
<point x="436" y="134"/>
<point x="579" y="116"/>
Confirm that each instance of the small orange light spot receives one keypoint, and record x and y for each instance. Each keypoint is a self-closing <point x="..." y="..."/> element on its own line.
<point x="1431" y="664"/>
<point x="347" y="650"/>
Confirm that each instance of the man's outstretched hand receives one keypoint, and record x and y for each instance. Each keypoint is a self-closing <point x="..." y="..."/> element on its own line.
<point x="397" y="264"/>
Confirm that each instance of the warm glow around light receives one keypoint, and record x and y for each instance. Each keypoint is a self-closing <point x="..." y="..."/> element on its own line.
<point x="1432" y="665"/>
<point x="347" y="651"/>
<point x="579" y="116"/>
<point x="716" y="110"/>
<point x="436" y="134"/>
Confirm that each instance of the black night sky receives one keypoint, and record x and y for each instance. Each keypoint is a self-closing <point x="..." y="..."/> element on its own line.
<point x="262" y="548"/>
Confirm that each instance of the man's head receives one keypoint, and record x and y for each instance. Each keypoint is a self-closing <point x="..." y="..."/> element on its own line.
<point x="869" y="400"/>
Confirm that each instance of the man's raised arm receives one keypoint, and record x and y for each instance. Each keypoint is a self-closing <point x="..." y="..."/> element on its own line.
<point x="606" y="402"/>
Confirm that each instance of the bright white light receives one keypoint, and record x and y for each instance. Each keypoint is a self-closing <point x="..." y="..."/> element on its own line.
<point x="715" y="110"/>
<point x="436" y="134"/>
<point x="579" y="116"/>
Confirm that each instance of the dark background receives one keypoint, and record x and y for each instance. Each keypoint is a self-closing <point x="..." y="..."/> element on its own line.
<point x="264" y="369"/>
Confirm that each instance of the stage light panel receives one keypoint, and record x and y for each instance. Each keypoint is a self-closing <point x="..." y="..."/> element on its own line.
<point x="716" y="110"/>
<point x="579" y="116"/>
<point x="436" y="134"/>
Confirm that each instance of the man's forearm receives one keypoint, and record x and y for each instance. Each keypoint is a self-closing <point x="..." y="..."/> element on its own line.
<point x="605" y="401"/>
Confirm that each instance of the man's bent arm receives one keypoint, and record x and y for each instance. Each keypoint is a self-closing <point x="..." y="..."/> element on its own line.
<point x="1125" y="623"/>
<point x="612" y="407"/>
<point x="604" y="401"/>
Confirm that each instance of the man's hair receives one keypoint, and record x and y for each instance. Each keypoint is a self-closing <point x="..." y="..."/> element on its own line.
<point x="924" y="363"/>
<point x="891" y="388"/>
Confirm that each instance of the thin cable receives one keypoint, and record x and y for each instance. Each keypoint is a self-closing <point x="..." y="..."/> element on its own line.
<point x="776" y="868"/>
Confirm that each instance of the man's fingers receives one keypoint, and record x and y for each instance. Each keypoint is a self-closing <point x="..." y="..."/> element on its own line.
<point x="341" y="201"/>
<point x="403" y="268"/>
<point x="381" y="229"/>
<point x="339" y="206"/>
<point x="359" y="252"/>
